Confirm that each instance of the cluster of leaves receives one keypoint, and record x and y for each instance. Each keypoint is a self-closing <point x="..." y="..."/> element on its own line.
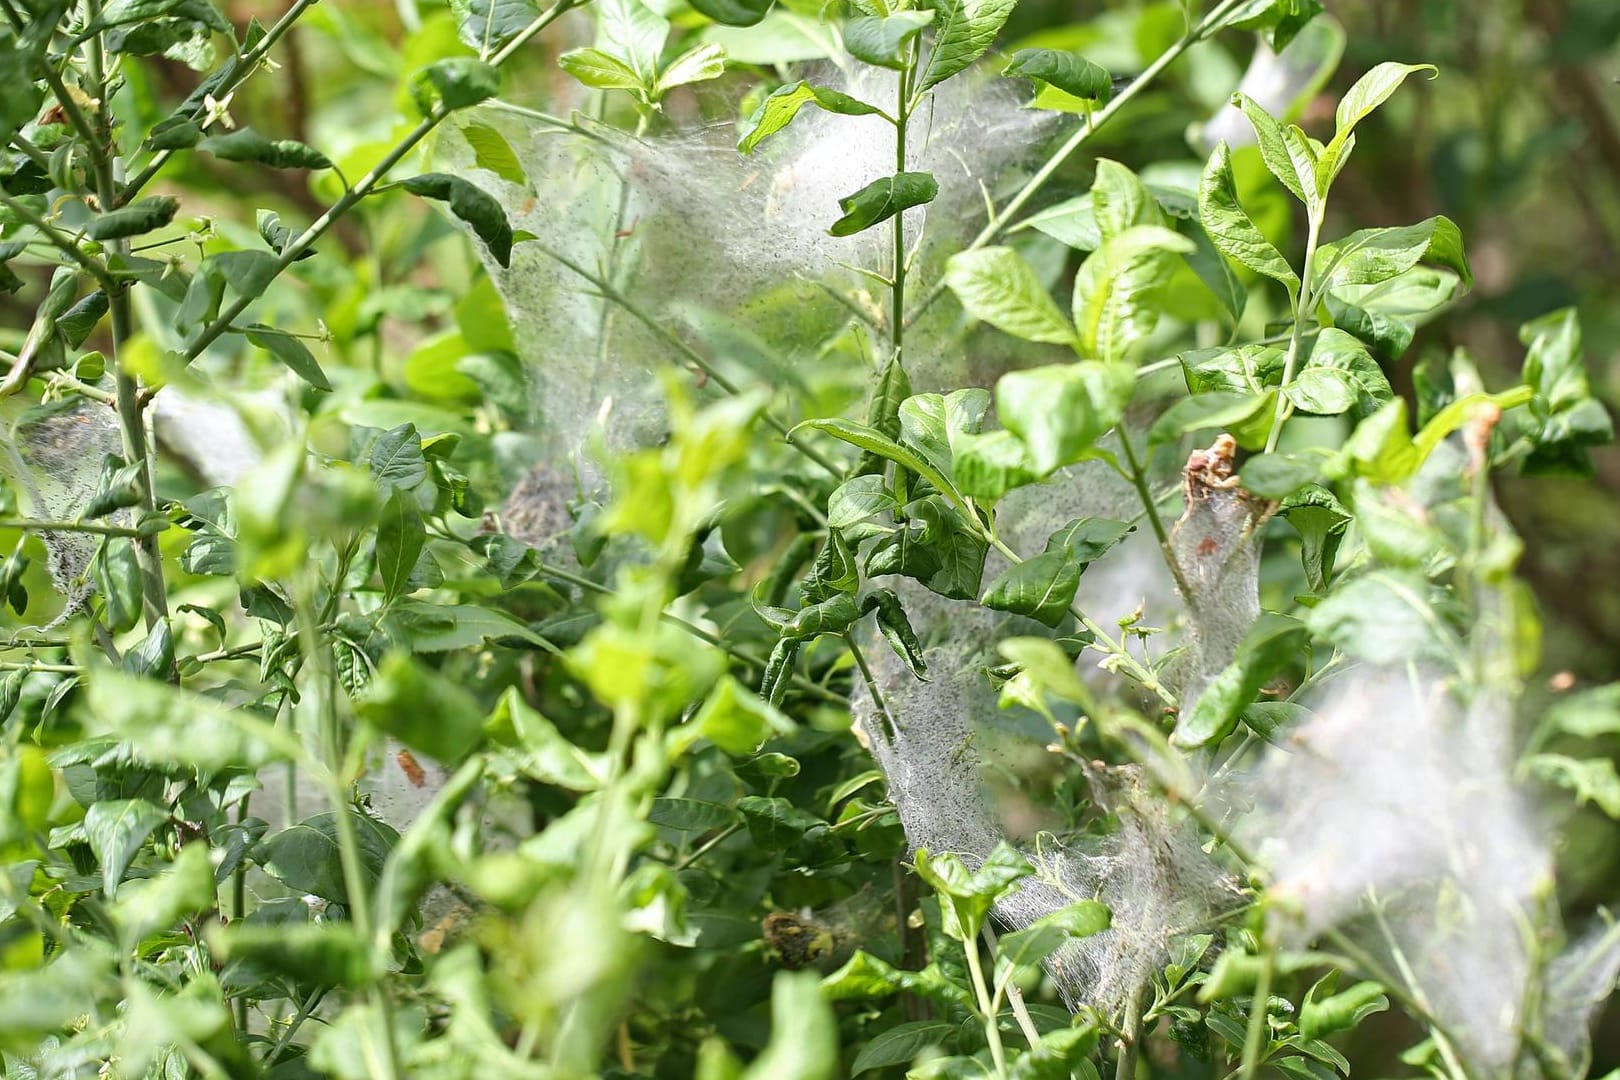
<point x="641" y="736"/>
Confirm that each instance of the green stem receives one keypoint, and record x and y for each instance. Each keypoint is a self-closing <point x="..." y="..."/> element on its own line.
<point x="70" y="107"/>
<point x="58" y="239"/>
<point x="1151" y="506"/>
<point x="29" y="665"/>
<point x="878" y="701"/>
<point x="1256" y="1038"/>
<point x="31" y="152"/>
<point x="30" y="525"/>
<point x="1413" y="986"/>
<point x="1014" y="995"/>
<point x="131" y="419"/>
<point x="305" y="1008"/>
<point x="707" y="846"/>
<point x="321" y="694"/>
<point x="1130" y="1039"/>
<point x="1305" y="302"/>
<point x="992" y="1026"/>
<point x="999" y="221"/>
<point x="902" y="121"/>
<point x="246" y="64"/>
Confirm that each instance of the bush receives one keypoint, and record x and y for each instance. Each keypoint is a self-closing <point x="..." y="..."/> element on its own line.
<point x="794" y="560"/>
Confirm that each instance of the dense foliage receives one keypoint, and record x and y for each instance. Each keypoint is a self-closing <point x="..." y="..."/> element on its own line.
<point x="736" y="539"/>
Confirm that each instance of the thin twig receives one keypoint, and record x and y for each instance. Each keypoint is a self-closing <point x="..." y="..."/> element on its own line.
<point x="998" y="222"/>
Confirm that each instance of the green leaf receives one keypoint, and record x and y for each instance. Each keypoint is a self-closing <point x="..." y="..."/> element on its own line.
<point x="1276" y="476"/>
<point x="421" y="708"/>
<point x="698" y="64"/>
<point x="1386" y="316"/>
<point x="734" y="12"/>
<point x="1568" y="419"/>
<point x="1218" y="410"/>
<point x="830" y="616"/>
<point x="1060" y="411"/>
<point x="1322" y="391"/>
<point x="997" y="285"/>
<point x="1231" y="229"/>
<point x="963" y="31"/>
<point x="883" y="39"/>
<point x="1589" y="714"/>
<point x="882" y="199"/>
<point x="895" y="627"/>
<point x="1061" y="1054"/>
<point x="306" y="859"/>
<point x="1380" y="449"/>
<point x="474" y="206"/>
<point x="141" y="216"/>
<point x="1047" y="666"/>
<point x="545" y="754"/>
<point x="491" y="151"/>
<point x="291" y="352"/>
<point x="600" y="71"/>
<point x="875" y="442"/>
<point x="633" y="32"/>
<point x="1217" y="274"/>
<point x="316" y="954"/>
<point x="966" y="896"/>
<point x="1089" y="538"/>
<point x="736" y="720"/>
<point x="777" y="112"/>
<point x="1287" y="154"/>
<point x="690" y="815"/>
<point x="77" y="322"/>
<point x="1048" y="934"/>
<point x="1320" y="519"/>
<point x="1121" y="201"/>
<point x="1271" y="644"/>
<point x="804" y="1033"/>
<point x="1339" y="351"/>
<point x="400" y="538"/>
<point x="935" y="424"/>
<point x="396" y="459"/>
<point x="168" y="726"/>
<point x="1320" y="1016"/>
<point x="986" y="467"/>
<point x="125" y="12"/>
<point x="864" y="976"/>
<point x="1593" y="780"/>
<point x="1247" y="369"/>
<point x="774" y="822"/>
<point x="1118" y="293"/>
<point x="902" y="1044"/>
<point x="1072" y="222"/>
<point x="1373" y="256"/>
<point x="1371" y="91"/>
<point x="1074" y="75"/>
<point x="487" y="25"/>
<point x="456" y="82"/>
<point x="854" y="507"/>
<point x="116" y="830"/>
<point x="245" y="144"/>
<point x="145" y="907"/>
<point x="20" y="104"/>
<point x="1383" y="618"/>
<point x="1041" y="587"/>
